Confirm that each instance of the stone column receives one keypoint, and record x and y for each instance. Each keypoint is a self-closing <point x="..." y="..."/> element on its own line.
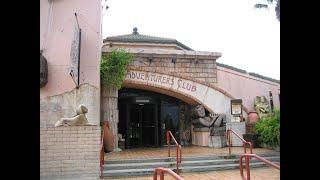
<point x="109" y="110"/>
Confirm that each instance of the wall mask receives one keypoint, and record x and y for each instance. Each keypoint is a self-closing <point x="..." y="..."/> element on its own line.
<point x="43" y="71"/>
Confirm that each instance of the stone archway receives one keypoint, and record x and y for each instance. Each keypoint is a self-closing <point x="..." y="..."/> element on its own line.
<point x="214" y="99"/>
<point x="189" y="90"/>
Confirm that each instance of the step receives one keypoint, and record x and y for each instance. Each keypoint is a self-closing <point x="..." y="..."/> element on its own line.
<point x="222" y="161"/>
<point x="126" y="161"/>
<point x="218" y="167"/>
<point x="188" y="158"/>
<point x="139" y="165"/>
<point x="173" y="163"/>
<point x="149" y="171"/>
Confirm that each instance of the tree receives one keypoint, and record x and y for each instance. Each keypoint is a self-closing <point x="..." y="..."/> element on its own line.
<point x="265" y="5"/>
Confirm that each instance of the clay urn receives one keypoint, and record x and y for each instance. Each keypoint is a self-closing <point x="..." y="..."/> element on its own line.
<point x="253" y="117"/>
<point x="107" y="138"/>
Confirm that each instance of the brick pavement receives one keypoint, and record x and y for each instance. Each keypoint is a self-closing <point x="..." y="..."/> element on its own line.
<point x="266" y="173"/>
<point x="186" y="151"/>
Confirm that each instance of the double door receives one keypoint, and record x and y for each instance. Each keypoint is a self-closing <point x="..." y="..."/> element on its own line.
<point x="142" y="126"/>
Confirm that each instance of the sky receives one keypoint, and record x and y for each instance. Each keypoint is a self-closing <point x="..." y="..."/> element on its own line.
<point x="248" y="38"/>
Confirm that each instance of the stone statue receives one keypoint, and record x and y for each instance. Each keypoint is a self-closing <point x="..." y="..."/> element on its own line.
<point x="215" y="120"/>
<point x="198" y="111"/>
<point x="77" y="120"/>
<point x="219" y="125"/>
<point x="261" y="106"/>
<point x="202" y="122"/>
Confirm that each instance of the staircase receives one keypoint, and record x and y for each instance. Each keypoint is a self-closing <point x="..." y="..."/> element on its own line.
<point x="138" y="167"/>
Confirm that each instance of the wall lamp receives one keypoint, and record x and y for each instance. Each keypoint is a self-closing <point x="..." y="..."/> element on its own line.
<point x="174" y="60"/>
<point x="150" y="58"/>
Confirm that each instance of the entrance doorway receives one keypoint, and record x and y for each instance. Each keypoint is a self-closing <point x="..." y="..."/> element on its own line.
<point x="145" y="117"/>
<point x="142" y="125"/>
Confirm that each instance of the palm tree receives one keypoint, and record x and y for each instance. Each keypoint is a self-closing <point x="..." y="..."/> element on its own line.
<point x="265" y="5"/>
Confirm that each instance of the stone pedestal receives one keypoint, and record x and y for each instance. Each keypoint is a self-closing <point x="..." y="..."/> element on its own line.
<point x="239" y="128"/>
<point x="200" y="138"/>
<point x="217" y="141"/>
<point x="109" y="110"/>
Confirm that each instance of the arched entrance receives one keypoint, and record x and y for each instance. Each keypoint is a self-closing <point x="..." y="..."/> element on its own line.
<point x="151" y="103"/>
<point x="214" y="99"/>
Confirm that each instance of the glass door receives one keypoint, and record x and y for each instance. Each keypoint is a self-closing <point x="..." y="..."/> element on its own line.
<point x="134" y="126"/>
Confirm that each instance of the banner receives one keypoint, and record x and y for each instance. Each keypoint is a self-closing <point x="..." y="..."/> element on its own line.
<point x="74" y="67"/>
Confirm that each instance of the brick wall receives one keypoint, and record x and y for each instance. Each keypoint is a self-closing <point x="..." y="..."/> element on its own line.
<point x="70" y="152"/>
<point x="204" y="69"/>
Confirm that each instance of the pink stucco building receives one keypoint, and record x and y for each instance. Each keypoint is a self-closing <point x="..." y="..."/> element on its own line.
<point x="164" y="68"/>
<point x="60" y="97"/>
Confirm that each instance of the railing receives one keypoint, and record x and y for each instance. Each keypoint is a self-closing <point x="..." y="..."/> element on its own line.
<point x="102" y="150"/>
<point x="229" y="142"/>
<point x="247" y="159"/>
<point x="178" y="150"/>
<point x="161" y="171"/>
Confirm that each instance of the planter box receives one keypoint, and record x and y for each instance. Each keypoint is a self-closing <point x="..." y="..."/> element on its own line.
<point x="251" y="138"/>
<point x="264" y="145"/>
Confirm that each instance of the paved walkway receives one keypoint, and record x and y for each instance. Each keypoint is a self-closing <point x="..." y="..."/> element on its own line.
<point x="186" y="151"/>
<point x="266" y="173"/>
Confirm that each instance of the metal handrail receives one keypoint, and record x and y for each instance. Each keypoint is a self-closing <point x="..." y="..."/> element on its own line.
<point x="102" y="150"/>
<point x="161" y="171"/>
<point x="179" y="151"/>
<point x="247" y="161"/>
<point x="229" y="142"/>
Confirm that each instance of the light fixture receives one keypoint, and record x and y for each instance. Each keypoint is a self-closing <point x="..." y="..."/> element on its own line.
<point x="196" y="60"/>
<point x="236" y="110"/>
<point x="150" y="58"/>
<point x="174" y="60"/>
<point x="236" y="107"/>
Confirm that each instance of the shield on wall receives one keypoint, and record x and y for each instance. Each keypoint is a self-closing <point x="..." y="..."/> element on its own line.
<point x="43" y="71"/>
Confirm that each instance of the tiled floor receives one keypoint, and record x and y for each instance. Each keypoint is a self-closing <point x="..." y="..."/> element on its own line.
<point x="266" y="173"/>
<point x="186" y="151"/>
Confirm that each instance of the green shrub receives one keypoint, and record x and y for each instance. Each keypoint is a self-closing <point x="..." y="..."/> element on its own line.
<point x="268" y="129"/>
<point x="113" y="68"/>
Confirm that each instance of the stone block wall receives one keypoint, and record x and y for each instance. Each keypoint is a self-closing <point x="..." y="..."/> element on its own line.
<point x="109" y="110"/>
<point x="70" y="152"/>
<point x="202" y="69"/>
<point x="240" y="129"/>
<point x="53" y="108"/>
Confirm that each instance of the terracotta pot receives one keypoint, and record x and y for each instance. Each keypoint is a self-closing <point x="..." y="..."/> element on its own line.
<point x="253" y="117"/>
<point x="107" y="138"/>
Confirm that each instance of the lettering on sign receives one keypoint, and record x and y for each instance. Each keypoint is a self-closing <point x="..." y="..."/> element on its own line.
<point x="161" y="80"/>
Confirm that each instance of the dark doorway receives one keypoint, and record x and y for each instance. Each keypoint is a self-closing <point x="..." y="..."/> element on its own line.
<point x="145" y="116"/>
<point x="142" y="125"/>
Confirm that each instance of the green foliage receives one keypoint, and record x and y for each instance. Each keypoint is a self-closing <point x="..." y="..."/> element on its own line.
<point x="266" y="6"/>
<point x="113" y="68"/>
<point x="268" y="129"/>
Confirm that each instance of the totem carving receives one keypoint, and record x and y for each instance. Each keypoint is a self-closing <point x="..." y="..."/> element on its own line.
<point x="261" y="106"/>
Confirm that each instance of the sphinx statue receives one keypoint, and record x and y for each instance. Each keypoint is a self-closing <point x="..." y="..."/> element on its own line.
<point x="77" y="120"/>
<point x="261" y="106"/>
